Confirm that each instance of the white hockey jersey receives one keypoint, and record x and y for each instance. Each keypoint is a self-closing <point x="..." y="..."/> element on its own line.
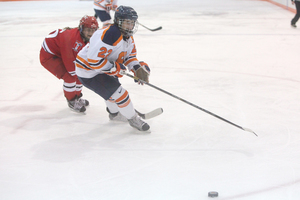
<point x="101" y="4"/>
<point x="106" y="46"/>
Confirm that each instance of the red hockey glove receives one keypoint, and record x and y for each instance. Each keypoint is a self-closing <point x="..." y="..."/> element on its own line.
<point x="118" y="70"/>
<point x="142" y="71"/>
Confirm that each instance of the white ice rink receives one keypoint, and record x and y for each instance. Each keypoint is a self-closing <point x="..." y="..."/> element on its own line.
<point x="236" y="58"/>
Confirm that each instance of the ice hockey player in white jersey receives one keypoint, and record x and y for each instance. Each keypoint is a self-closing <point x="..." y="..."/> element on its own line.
<point x="100" y="64"/>
<point x="102" y="10"/>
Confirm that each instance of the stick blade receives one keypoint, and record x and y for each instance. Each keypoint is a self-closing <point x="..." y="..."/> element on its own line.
<point x="157" y="29"/>
<point x="150" y="29"/>
<point x="150" y="114"/>
<point x="249" y="130"/>
<point x="154" y="113"/>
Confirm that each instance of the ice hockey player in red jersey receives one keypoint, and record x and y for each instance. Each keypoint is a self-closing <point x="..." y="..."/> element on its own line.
<point x="58" y="53"/>
<point x="100" y="64"/>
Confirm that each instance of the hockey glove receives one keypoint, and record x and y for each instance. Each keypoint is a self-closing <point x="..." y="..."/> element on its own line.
<point x="108" y="7"/>
<point x="114" y="7"/>
<point x="142" y="71"/>
<point x="118" y="70"/>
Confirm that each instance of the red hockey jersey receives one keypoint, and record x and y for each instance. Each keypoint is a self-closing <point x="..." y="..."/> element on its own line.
<point x="65" y="44"/>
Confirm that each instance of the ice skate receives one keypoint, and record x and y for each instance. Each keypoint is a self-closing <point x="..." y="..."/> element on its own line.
<point x="138" y="123"/>
<point x="76" y="105"/>
<point x="83" y="102"/>
<point x="116" y="116"/>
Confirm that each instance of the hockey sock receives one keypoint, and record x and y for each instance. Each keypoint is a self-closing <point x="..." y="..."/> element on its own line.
<point x="123" y="102"/>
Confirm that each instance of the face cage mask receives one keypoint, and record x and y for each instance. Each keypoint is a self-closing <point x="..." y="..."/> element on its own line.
<point x="126" y="32"/>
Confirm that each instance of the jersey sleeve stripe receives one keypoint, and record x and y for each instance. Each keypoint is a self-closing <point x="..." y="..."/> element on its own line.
<point x="73" y="73"/>
<point x="134" y="50"/>
<point x="80" y="66"/>
<point x="130" y="60"/>
<point x="81" y="63"/>
<point x="98" y="65"/>
<point x="94" y="62"/>
<point x="132" y="55"/>
<point x="98" y="4"/>
<point x="46" y="48"/>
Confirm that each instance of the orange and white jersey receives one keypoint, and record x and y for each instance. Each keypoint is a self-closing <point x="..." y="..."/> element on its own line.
<point x="106" y="46"/>
<point x="102" y="4"/>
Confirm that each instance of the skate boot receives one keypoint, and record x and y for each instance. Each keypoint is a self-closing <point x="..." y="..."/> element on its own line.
<point x="76" y="105"/>
<point x="137" y="122"/>
<point x="84" y="102"/>
<point x="116" y="116"/>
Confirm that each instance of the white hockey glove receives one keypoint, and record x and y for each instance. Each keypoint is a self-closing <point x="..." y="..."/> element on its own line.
<point x="108" y="7"/>
<point x="142" y="71"/>
<point x="117" y="69"/>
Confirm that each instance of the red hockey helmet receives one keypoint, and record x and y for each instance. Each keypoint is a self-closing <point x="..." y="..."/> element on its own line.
<point x="88" y="22"/>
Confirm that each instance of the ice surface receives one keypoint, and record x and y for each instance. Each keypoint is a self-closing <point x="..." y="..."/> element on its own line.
<point x="238" y="59"/>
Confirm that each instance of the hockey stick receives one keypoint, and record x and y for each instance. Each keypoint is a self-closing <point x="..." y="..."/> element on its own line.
<point x="185" y="101"/>
<point x="155" y="29"/>
<point x="150" y="114"/>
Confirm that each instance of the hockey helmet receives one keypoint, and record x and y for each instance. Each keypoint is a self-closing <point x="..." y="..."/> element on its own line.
<point x="128" y="14"/>
<point x="88" y="22"/>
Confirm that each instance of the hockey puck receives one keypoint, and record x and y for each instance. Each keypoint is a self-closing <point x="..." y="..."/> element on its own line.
<point x="213" y="194"/>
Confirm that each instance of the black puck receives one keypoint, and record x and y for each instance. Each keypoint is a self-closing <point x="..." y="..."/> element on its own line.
<point x="213" y="194"/>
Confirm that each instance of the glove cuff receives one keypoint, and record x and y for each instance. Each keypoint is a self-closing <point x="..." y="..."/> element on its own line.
<point x="136" y="67"/>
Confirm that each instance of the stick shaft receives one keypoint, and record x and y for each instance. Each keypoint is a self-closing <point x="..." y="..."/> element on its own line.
<point x="191" y="104"/>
